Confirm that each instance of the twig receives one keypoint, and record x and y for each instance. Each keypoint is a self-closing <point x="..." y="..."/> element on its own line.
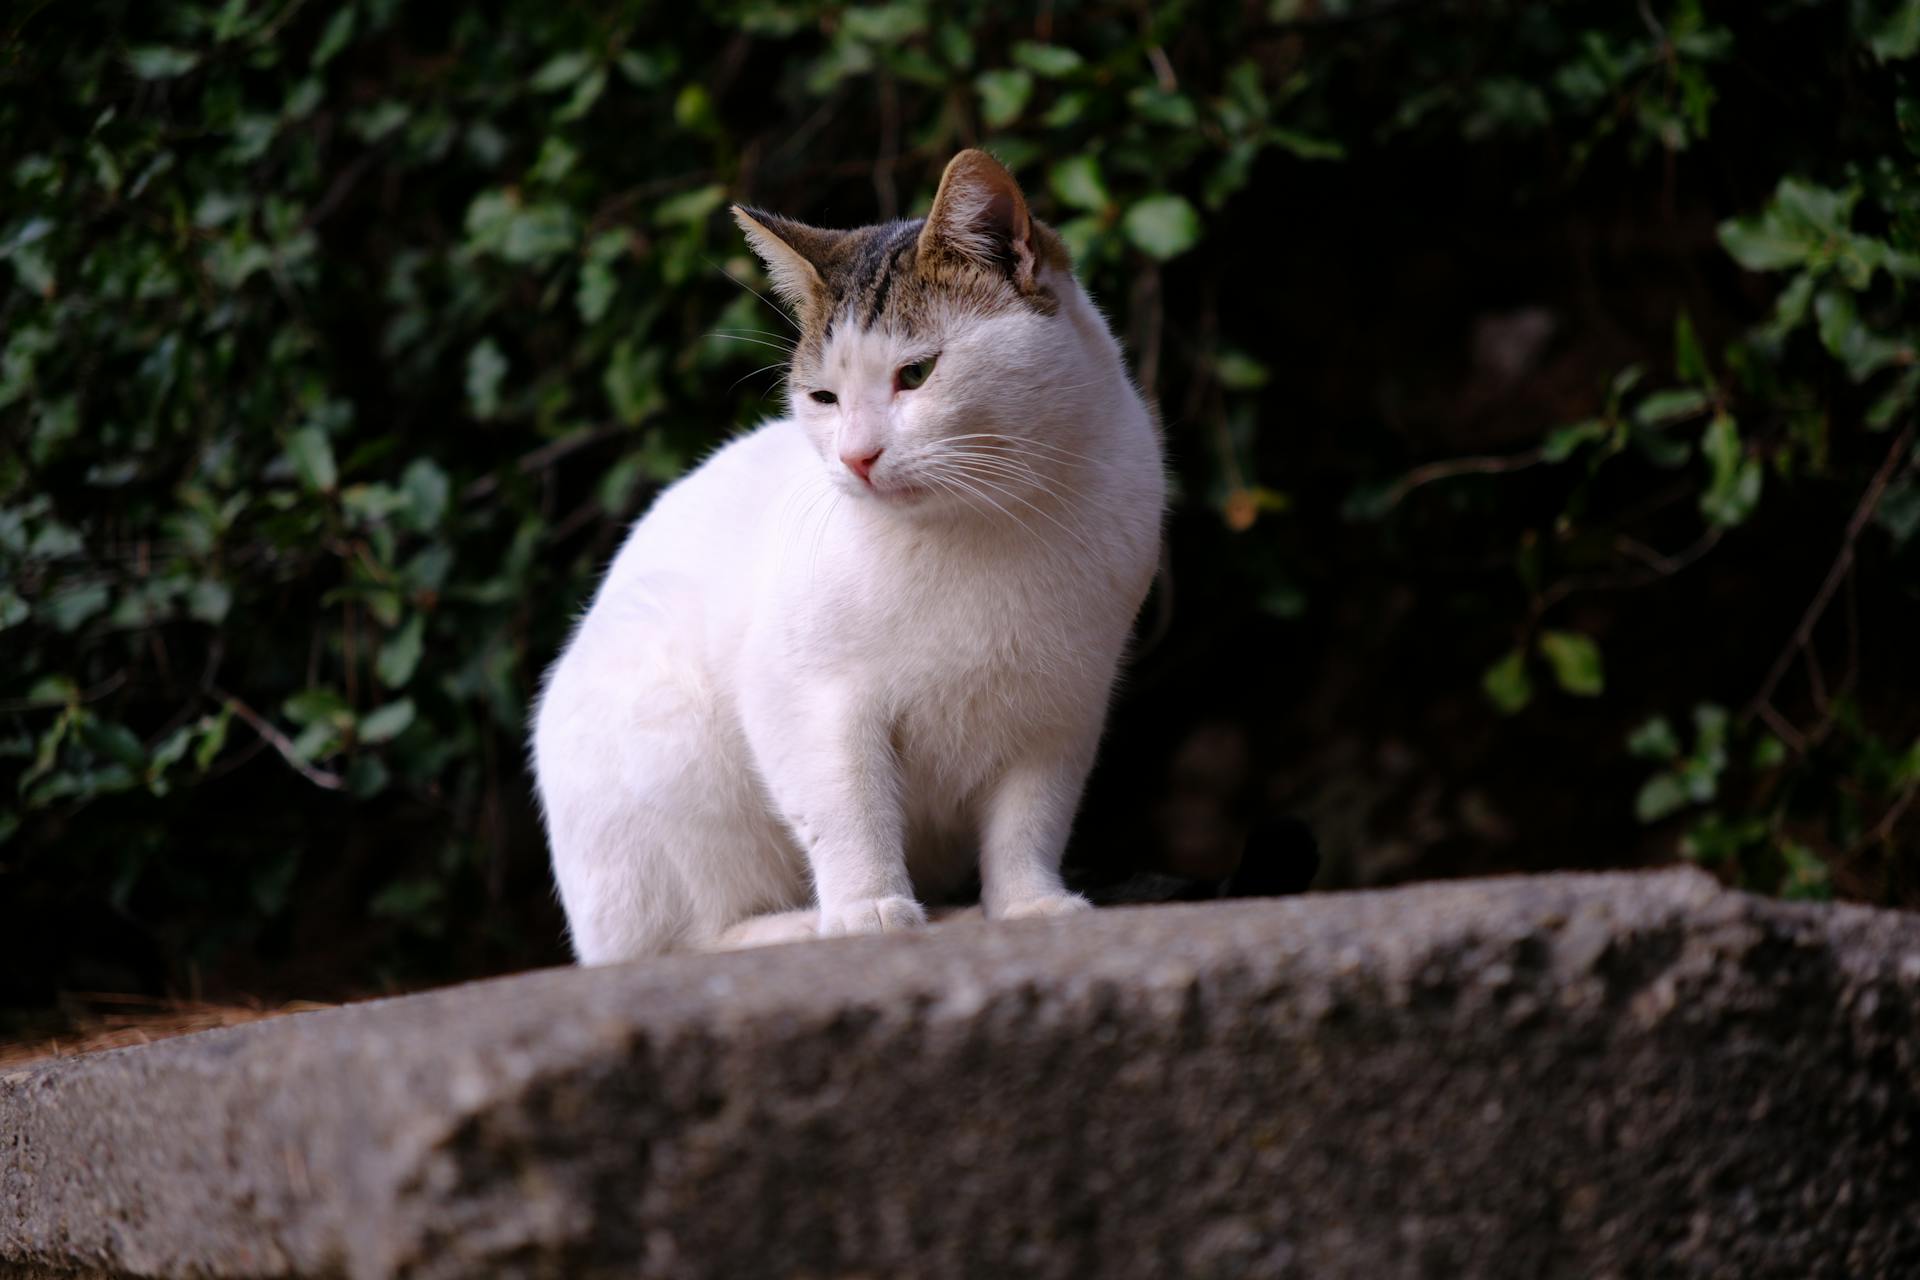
<point x="1883" y="829"/>
<point x="543" y="457"/>
<point x="94" y="694"/>
<point x="281" y="743"/>
<point x="1163" y="69"/>
<point x="1451" y="467"/>
<point x="1842" y="563"/>
<point x="1658" y="566"/>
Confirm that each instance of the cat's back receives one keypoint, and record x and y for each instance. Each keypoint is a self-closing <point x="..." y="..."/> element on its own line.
<point x="711" y="524"/>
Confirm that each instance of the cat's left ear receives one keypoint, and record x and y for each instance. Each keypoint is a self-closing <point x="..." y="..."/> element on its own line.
<point x="980" y="213"/>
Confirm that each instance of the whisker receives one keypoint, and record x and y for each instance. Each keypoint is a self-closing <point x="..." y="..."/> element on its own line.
<point x="1014" y="469"/>
<point x="762" y="369"/>
<point x="1013" y="443"/>
<point x="781" y="338"/>
<point x="1075" y="534"/>
<point x="758" y="342"/>
<point x="755" y="292"/>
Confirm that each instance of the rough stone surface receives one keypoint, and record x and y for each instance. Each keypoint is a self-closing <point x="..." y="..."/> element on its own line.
<point x="1610" y="1075"/>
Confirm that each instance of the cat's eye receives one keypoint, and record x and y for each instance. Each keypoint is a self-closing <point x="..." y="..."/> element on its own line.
<point x="824" y="397"/>
<point x="910" y="376"/>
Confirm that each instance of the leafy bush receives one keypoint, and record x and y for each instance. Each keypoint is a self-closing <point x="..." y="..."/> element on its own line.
<point x="338" y="344"/>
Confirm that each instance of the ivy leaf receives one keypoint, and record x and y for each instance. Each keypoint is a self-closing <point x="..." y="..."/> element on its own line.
<point x="1050" y="60"/>
<point x="160" y="62"/>
<point x="1654" y="740"/>
<point x="1506" y="683"/>
<point x="1899" y="511"/>
<point x="486" y="368"/>
<point x="561" y="71"/>
<point x="1162" y="227"/>
<point x="1663" y="407"/>
<point x="1563" y="442"/>
<point x="1575" y="660"/>
<point x="1733" y="490"/>
<point x="1660" y="796"/>
<point x="1689" y="362"/>
<point x="1003" y="96"/>
<point x="312" y="455"/>
<point x="386" y="724"/>
<point x="333" y="37"/>
<point x="400" y="655"/>
<point x="1077" y="181"/>
<point x="1894" y="35"/>
<point x="1795" y="225"/>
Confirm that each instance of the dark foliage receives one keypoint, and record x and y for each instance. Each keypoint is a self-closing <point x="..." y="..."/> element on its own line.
<point x="1540" y="380"/>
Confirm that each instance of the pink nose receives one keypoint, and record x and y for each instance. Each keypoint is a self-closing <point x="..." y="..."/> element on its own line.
<point x="862" y="466"/>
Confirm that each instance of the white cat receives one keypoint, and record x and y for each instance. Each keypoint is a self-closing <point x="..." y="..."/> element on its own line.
<point x="872" y="641"/>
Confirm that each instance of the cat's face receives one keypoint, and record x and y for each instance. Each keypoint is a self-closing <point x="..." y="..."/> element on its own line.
<point x="932" y="353"/>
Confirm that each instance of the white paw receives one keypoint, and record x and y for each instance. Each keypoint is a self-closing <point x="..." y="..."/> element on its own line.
<point x="1047" y="904"/>
<point x="871" y="915"/>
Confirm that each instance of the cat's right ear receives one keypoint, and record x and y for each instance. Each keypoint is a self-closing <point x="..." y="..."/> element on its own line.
<point x="791" y="251"/>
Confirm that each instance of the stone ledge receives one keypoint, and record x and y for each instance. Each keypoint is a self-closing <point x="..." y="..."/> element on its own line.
<point x="1568" y="1075"/>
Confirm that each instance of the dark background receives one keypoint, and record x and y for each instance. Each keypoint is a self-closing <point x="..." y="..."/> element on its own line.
<point x="340" y="342"/>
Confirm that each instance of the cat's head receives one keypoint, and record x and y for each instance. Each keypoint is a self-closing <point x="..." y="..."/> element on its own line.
<point x="934" y="355"/>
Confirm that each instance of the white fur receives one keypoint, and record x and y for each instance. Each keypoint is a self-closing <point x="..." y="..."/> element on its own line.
<point x="798" y="699"/>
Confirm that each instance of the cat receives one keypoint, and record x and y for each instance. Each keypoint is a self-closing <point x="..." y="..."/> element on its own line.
<point x="866" y="649"/>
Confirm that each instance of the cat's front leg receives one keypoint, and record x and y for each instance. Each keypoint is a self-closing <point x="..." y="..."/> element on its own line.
<point x="1025" y="824"/>
<point x="831" y="769"/>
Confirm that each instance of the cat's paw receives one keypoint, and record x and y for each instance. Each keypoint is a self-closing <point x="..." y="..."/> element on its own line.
<point x="1046" y="904"/>
<point x="871" y="915"/>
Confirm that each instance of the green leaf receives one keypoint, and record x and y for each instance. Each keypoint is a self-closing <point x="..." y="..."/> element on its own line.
<point x="1077" y="181"/>
<point x="387" y="723"/>
<point x="427" y="491"/>
<point x="333" y="37"/>
<point x="1807" y="878"/>
<point x="1899" y="511"/>
<point x="407" y="899"/>
<point x="1050" y="60"/>
<point x="632" y="380"/>
<point x="1563" y="442"/>
<point x="1895" y="34"/>
<point x="1663" y="407"/>
<point x="562" y="71"/>
<point x="1689" y="362"/>
<point x="1003" y="96"/>
<point x="1733" y="490"/>
<point x="1239" y="371"/>
<point x="1162" y="227"/>
<point x="1304" y="146"/>
<point x="316" y="706"/>
<point x="596" y="290"/>
<point x="400" y="655"/>
<point x="1792" y="228"/>
<point x="884" y="23"/>
<point x="1506" y="683"/>
<point x="13" y="610"/>
<point x="1174" y="110"/>
<point x="160" y="62"/>
<point x="1654" y="740"/>
<point x="1769" y="752"/>
<point x="585" y="94"/>
<point x="486" y="369"/>
<point x="1660" y="796"/>
<point x="312" y="456"/>
<point x="1849" y="340"/>
<point x="209" y="601"/>
<point x="690" y="206"/>
<point x="1575" y="660"/>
